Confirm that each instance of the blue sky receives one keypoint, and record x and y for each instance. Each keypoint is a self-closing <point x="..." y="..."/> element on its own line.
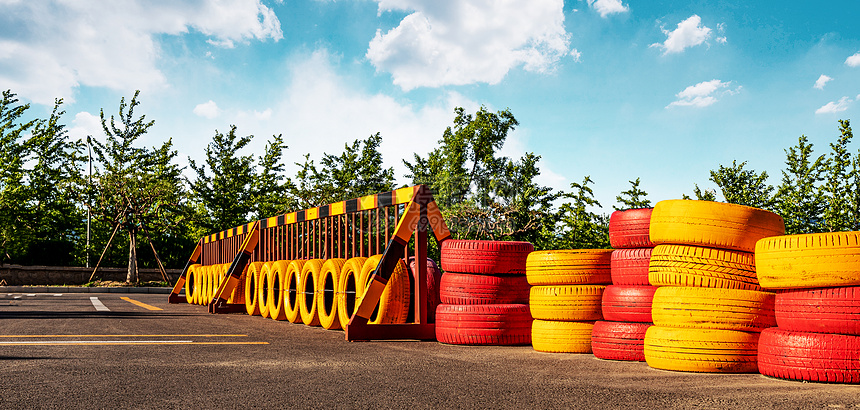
<point x="660" y="90"/>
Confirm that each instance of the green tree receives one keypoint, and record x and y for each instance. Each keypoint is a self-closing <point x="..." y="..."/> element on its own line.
<point x="634" y="198"/>
<point x="54" y="219"/>
<point x="225" y="197"/>
<point x="836" y="190"/>
<point x="355" y="172"/>
<point x="524" y="207"/>
<point x="798" y="197"/>
<point x="270" y="185"/>
<point x="481" y="194"/>
<point x="138" y="190"/>
<point x="12" y="186"/>
<point x="463" y="167"/>
<point x="743" y="186"/>
<point x="582" y="228"/>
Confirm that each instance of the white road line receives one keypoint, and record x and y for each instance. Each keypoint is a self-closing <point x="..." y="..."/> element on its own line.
<point x="98" y="304"/>
<point x="32" y="295"/>
<point x="58" y="294"/>
<point x="66" y="342"/>
<point x="16" y="297"/>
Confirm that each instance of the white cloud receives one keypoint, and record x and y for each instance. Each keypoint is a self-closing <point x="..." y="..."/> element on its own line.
<point x="607" y="7"/>
<point x="689" y="33"/>
<point x="821" y="82"/>
<point x="86" y="124"/>
<point x="577" y="56"/>
<point x="703" y="94"/>
<point x="853" y="61"/>
<point x="208" y="110"/>
<point x="457" y="42"/>
<point x="50" y="48"/>
<point x="834" y="106"/>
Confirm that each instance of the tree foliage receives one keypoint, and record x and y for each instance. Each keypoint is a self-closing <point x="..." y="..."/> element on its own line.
<point x="633" y="198"/>
<point x="743" y="186"/>
<point x="582" y="227"/>
<point x="798" y="198"/>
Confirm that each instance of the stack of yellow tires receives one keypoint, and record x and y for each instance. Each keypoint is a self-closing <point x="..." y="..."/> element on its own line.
<point x="484" y="293"/>
<point x="323" y="293"/>
<point x="202" y="283"/>
<point x="565" y="298"/>
<point x="817" y="280"/>
<point x="626" y="302"/>
<point x="709" y="309"/>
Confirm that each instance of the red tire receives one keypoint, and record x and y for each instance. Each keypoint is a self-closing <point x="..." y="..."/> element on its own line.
<point x="434" y="277"/>
<point x="489" y="325"/>
<point x="823" y="310"/>
<point x="628" y="303"/>
<point x="467" y="289"/>
<point x="485" y="257"/>
<point x="818" y="357"/>
<point x="629" y="229"/>
<point x="619" y="340"/>
<point x="630" y="266"/>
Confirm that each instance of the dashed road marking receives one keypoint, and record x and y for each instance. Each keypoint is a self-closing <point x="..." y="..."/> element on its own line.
<point x="31" y="295"/>
<point x="98" y="304"/>
<point x="58" y="294"/>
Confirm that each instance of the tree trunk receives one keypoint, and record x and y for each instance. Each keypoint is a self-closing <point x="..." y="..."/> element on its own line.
<point x="132" y="276"/>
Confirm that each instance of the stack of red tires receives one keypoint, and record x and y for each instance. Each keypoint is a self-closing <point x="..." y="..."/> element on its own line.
<point x="484" y="293"/>
<point x="627" y="302"/>
<point x="709" y="310"/>
<point x="567" y="287"/>
<point x="817" y="280"/>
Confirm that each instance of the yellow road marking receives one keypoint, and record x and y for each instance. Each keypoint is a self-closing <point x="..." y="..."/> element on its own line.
<point x="141" y="304"/>
<point x="13" y="336"/>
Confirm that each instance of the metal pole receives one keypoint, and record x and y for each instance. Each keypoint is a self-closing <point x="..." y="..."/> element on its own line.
<point x="89" y="204"/>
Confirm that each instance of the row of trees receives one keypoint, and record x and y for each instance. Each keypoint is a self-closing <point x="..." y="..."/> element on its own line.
<point x="138" y="194"/>
<point x="817" y="193"/>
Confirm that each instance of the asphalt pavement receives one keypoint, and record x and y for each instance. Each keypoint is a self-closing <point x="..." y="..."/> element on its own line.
<point x="109" y="350"/>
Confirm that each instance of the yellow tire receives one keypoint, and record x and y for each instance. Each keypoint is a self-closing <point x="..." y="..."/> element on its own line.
<point x="277" y="281"/>
<point x="712" y="224"/>
<point x="561" y="337"/>
<point x="191" y="283"/>
<point x="394" y="302"/>
<point x="814" y="260"/>
<point x="307" y="299"/>
<point x="222" y="276"/>
<point x="252" y="279"/>
<point x="205" y="286"/>
<point x="349" y="291"/>
<point x="327" y="293"/>
<point x="569" y="267"/>
<point x="263" y="288"/>
<point x="681" y="265"/>
<point x="566" y="302"/>
<point x="292" y="287"/>
<point x="711" y="308"/>
<point x="701" y="350"/>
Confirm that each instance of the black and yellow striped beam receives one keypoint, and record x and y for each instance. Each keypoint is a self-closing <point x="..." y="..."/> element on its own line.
<point x="365" y="203"/>
<point x="234" y="273"/>
<point x="180" y="283"/>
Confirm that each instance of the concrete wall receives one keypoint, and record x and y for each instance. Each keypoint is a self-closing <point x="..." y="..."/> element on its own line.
<point x="17" y="275"/>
